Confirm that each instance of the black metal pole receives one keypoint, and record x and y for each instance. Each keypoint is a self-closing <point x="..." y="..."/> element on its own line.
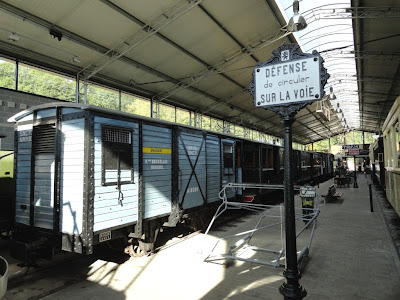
<point x="355" y="185"/>
<point x="370" y="198"/>
<point x="291" y="289"/>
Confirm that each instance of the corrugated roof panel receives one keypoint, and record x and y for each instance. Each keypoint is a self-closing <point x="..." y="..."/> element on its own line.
<point x="162" y="56"/>
<point x="98" y="23"/>
<point x="202" y="37"/>
<point x="248" y="21"/>
<point x="38" y="39"/>
<point x="218" y="86"/>
<point x="53" y="11"/>
<point x="147" y="10"/>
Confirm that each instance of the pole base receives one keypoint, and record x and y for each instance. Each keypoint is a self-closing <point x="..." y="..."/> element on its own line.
<point x="292" y="292"/>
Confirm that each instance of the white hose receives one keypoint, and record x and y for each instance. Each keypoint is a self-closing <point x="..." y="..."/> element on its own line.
<point x="3" y="276"/>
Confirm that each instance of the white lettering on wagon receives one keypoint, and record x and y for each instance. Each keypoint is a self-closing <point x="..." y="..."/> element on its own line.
<point x="193" y="190"/>
<point x="192" y="150"/>
<point x="156" y="164"/>
<point x="25" y="136"/>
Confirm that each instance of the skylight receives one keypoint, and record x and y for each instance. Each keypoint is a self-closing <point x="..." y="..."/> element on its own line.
<point x="330" y="32"/>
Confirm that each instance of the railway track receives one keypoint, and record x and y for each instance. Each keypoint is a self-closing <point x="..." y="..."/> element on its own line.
<point x="36" y="283"/>
<point x="63" y="273"/>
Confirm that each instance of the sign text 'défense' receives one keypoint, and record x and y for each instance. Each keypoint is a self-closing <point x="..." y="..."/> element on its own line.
<point x="288" y="82"/>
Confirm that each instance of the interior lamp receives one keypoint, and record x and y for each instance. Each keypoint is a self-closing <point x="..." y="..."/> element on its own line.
<point x="297" y="22"/>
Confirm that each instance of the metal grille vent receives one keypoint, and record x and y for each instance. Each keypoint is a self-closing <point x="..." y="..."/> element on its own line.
<point x="45" y="141"/>
<point x="116" y="136"/>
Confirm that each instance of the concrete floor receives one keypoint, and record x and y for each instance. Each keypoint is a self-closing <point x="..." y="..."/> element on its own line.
<point x="351" y="257"/>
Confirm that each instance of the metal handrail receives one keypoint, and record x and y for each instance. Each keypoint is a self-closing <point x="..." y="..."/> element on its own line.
<point x="266" y="212"/>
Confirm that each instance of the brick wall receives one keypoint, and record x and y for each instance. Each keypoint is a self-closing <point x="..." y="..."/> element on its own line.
<point x="11" y="103"/>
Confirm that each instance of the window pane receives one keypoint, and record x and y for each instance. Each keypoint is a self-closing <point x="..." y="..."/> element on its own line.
<point x="267" y="158"/>
<point x="134" y="105"/>
<point x="117" y="155"/>
<point x="167" y="113"/>
<point x="41" y="82"/>
<point x="125" y="157"/>
<point x="182" y="116"/>
<point x="317" y="158"/>
<point x="100" y="96"/>
<point x="253" y="134"/>
<point x="239" y="131"/>
<point x="350" y="138"/>
<point x="368" y="139"/>
<point x="357" y="137"/>
<point x="250" y="159"/>
<point x="336" y="140"/>
<point x="110" y="157"/>
<point x="228" y="159"/>
<point x="228" y="127"/>
<point x="305" y="159"/>
<point x="256" y="135"/>
<point x="114" y="152"/>
<point x="322" y="145"/>
<point x="7" y="74"/>
<point x="281" y="159"/>
<point x="217" y="125"/>
<point x="205" y="123"/>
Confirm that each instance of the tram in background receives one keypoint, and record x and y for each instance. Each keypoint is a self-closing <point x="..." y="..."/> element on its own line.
<point x="391" y="157"/>
<point x="376" y="159"/>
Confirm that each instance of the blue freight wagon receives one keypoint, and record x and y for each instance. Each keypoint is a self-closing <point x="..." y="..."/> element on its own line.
<point x="85" y="175"/>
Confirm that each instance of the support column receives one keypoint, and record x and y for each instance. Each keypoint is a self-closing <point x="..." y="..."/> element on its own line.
<point x="77" y="89"/>
<point x="291" y="289"/>
<point x="85" y="84"/>
<point x="355" y="185"/>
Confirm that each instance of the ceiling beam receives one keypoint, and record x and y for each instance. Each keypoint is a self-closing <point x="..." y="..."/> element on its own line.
<point x="165" y="39"/>
<point x="358" y="44"/>
<point x="144" y="33"/>
<point x="223" y="28"/>
<point x="223" y="64"/>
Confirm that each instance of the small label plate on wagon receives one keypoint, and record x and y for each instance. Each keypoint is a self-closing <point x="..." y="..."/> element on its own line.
<point x="105" y="236"/>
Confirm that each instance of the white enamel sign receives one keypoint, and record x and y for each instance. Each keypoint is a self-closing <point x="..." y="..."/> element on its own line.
<point x="287" y="82"/>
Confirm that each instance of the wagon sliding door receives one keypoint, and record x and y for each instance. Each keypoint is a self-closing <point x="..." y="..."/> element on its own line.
<point x="192" y="169"/>
<point x="116" y="167"/>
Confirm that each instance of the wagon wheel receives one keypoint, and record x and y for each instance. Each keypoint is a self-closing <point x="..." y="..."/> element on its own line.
<point x="134" y="250"/>
<point x="6" y="234"/>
